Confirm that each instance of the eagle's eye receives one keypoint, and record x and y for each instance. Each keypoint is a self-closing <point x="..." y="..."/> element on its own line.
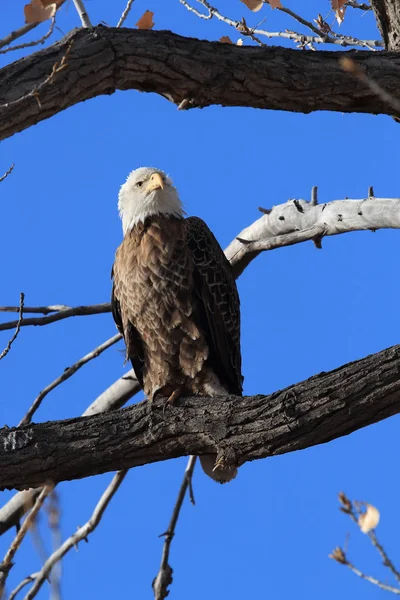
<point x="139" y="183"/>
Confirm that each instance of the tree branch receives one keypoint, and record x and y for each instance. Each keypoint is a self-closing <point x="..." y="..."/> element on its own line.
<point x="387" y="16"/>
<point x="82" y="534"/>
<point x="67" y="373"/>
<point x="112" y="398"/>
<point x="164" y="576"/>
<point x="104" y="59"/>
<point x="57" y="314"/>
<point x="315" y="411"/>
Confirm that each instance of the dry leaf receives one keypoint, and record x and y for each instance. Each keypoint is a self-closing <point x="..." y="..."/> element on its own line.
<point x="239" y="42"/>
<point x="339" y="7"/>
<point x="225" y="40"/>
<point x="146" y="21"/>
<point x="370" y="519"/>
<point x="36" y="11"/>
<point x="253" y="5"/>
<point x="275" y="3"/>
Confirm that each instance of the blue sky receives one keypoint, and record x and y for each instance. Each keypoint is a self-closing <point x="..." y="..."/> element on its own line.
<point x="268" y="533"/>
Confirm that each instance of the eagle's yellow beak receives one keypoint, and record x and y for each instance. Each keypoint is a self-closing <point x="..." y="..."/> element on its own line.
<point x="155" y="182"/>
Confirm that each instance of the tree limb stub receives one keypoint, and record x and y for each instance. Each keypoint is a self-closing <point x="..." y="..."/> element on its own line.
<point x="184" y="70"/>
<point x="315" y="411"/>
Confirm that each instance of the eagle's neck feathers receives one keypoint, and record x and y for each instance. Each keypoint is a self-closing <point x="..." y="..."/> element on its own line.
<point x="166" y="203"/>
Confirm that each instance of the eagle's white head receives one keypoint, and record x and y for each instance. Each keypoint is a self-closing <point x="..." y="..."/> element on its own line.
<point x="146" y="192"/>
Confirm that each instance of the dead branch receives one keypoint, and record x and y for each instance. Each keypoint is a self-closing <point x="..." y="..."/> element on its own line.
<point x="35" y="42"/>
<point x="67" y="373"/>
<point x="81" y="534"/>
<point x="164" y="576"/>
<point x="317" y="38"/>
<point x="3" y="177"/>
<point x="125" y="13"/>
<point x="17" y="329"/>
<point x="7" y="563"/>
<point x="57" y="314"/>
<point x="315" y="411"/>
<point x="354" y="511"/>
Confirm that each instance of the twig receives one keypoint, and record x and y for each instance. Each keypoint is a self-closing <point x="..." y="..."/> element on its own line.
<point x="21" y="585"/>
<point x="22" y="30"/>
<point x="17" y="33"/>
<point x="84" y="17"/>
<point x="18" y="327"/>
<point x="81" y="534"/>
<point x="339" y="556"/>
<point x="362" y="6"/>
<point x="125" y="13"/>
<point x="64" y="313"/>
<point x="36" y="42"/>
<point x="353" y="510"/>
<point x="164" y="576"/>
<point x="7" y="563"/>
<point x="41" y="310"/>
<point x="350" y="66"/>
<point x="66" y="375"/>
<point x="319" y="38"/>
<point x="7" y="173"/>
<point x="197" y="12"/>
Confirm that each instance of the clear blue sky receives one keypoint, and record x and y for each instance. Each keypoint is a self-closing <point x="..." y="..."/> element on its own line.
<point x="267" y="534"/>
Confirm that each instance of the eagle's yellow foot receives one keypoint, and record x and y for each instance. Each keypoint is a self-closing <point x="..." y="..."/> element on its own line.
<point x="172" y="399"/>
<point x="174" y="396"/>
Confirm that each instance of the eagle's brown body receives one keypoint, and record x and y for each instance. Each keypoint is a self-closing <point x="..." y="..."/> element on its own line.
<point x="175" y="301"/>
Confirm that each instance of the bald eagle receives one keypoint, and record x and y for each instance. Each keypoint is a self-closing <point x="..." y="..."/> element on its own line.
<point x="174" y="299"/>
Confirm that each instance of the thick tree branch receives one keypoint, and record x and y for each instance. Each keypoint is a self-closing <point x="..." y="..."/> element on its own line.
<point x="387" y="14"/>
<point x="312" y="412"/>
<point x="202" y="73"/>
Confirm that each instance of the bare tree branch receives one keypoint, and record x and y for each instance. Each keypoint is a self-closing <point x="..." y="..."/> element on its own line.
<point x="220" y="74"/>
<point x="42" y="310"/>
<point x="34" y="43"/>
<point x="17" y="329"/>
<point x="62" y="313"/>
<point x="67" y="373"/>
<point x="21" y="585"/>
<point x="319" y="38"/>
<point x="298" y="220"/>
<point x="125" y="13"/>
<point x="83" y="15"/>
<point x="354" y="511"/>
<point x="7" y="563"/>
<point x="164" y="575"/>
<point x="237" y="430"/>
<point x="81" y="534"/>
<point x="3" y="177"/>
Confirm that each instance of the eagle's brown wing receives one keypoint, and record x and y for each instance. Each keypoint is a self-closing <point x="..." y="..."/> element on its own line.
<point x="218" y="306"/>
<point x="132" y="338"/>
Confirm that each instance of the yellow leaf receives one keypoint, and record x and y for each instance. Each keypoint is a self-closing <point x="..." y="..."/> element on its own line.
<point x="370" y="519"/>
<point x="253" y="5"/>
<point x="36" y="12"/>
<point x="146" y="20"/>
<point x="225" y="40"/>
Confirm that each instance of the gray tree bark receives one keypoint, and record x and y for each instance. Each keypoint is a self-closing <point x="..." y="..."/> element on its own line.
<point x="312" y="412"/>
<point x="184" y="70"/>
